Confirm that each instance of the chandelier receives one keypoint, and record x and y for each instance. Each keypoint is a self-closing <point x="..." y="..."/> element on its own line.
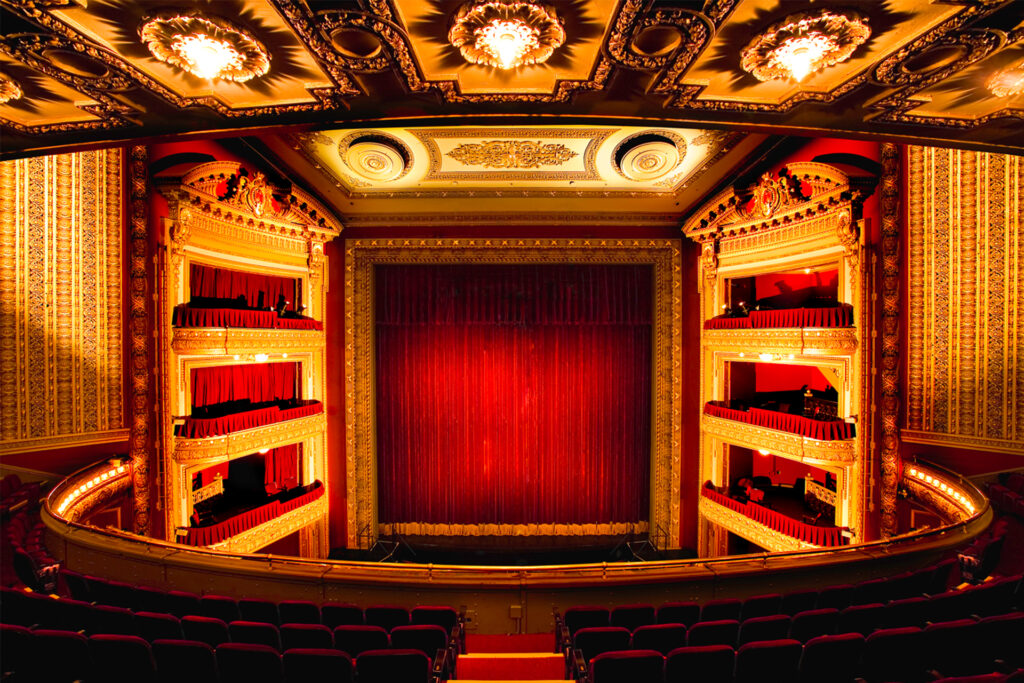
<point x="205" y="47"/>
<point x="9" y="90"/>
<point x="506" y="34"/>
<point x="1008" y="82"/>
<point x="804" y="43"/>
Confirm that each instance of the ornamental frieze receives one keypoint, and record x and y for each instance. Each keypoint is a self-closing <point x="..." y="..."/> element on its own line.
<point x="512" y="154"/>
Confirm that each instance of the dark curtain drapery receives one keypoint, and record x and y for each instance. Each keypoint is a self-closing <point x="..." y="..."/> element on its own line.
<point x="281" y="468"/>
<point x="513" y="394"/>
<point x="220" y="283"/>
<point x="258" y="383"/>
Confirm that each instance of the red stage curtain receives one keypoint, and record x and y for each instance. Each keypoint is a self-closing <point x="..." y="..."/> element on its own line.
<point x="513" y="394"/>
<point x="259" y="383"/>
<point x="221" y="283"/>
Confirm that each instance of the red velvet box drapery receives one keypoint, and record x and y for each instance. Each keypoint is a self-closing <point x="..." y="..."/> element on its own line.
<point x="281" y="467"/>
<point x="186" y="316"/>
<point x="513" y="394"/>
<point x="204" y="427"/>
<point x="823" y="430"/>
<point x="215" y="533"/>
<point x="257" y="382"/>
<point x="818" y="535"/>
<point x="837" y="316"/>
<point x="222" y="283"/>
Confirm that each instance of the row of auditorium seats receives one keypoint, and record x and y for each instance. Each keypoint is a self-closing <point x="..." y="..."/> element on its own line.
<point x="929" y="580"/>
<point x="998" y="597"/>
<point x="1007" y="495"/>
<point x="16" y="495"/>
<point x="54" y="656"/>
<point x="911" y="655"/>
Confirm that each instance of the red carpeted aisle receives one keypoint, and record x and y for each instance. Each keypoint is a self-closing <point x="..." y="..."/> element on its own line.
<point x="511" y="659"/>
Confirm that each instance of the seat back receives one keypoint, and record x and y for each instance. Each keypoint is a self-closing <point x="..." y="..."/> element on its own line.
<point x="15" y="644"/>
<point x="354" y="640"/>
<point x="662" y="638"/>
<point x="831" y="658"/>
<point x="184" y="660"/>
<point x="263" y="611"/>
<point x="813" y="623"/>
<point x="59" y="657"/>
<point x="630" y="665"/>
<point x="255" y="633"/>
<point x="109" y="619"/>
<point x="249" y="663"/>
<point x="207" y="630"/>
<point x="837" y="597"/>
<point x="220" y="607"/>
<point x="436" y="615"/>
<point x="576" y="618"/>
<point x="780" y="657"/>
<point x="594" y="640"/>
<point x="706" y="663"/>
<point x="862" y="619"/>
<point x="155" y="626"/>
<point x="427" y="638"/>
<point x="386" y="616"/>
<point x="761" y="606"/>
<point x="337" y="614"/>
<point x="716" y="610"/>
<point x="183" y="603"/>
<point x="122" y="659"/>
<point x="391" y="666"/>
<point x="306" y="636"/>
<point x="774" y="627"/>
<point x="298" y="612"/>
<point x="718" y="632"/>
<point x="687" y="613"/>
<point x="799" y="601"/>
<point x="632" y="616"/>
<point x="892" y="654"/>
<point x="302" y="665"/>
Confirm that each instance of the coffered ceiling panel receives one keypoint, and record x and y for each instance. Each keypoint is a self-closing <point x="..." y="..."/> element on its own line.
<point x="903" y="69"/>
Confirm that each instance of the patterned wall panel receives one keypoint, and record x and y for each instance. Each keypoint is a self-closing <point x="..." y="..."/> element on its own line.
<point x="966" y="360"/>
<point x="60" y="301"/>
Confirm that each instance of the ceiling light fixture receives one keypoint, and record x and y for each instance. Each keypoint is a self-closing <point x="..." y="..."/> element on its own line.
<point x="506" y="34"/>
<point x="804" y="43"/>
<point x="205" y="47"/>
<point x="9" y="90"/>
<point x="1008" y="82"/>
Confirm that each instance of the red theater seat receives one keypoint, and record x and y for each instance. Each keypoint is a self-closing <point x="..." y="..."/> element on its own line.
<point x="306" y="636"/>
<point x="631" y="665"/>
<point x="15" y="649"/>
<point x="305" y="665"/>
<point x="776" y="660"/>
<point x="426" y="638"/>
<point x="576" y="618"/>
<point x="184" y="660"/>
<point x="249" y="663"/>
<point x="892" y="654"/>
<point x="156" y="626"/>
<point x="775" y="627"/>
<point x="661" y="637"/>
<point x="59" y="657"/>
<point x="207" y="630"/>
<point x="831" y="659"/>
<point x="632" y="616"/>
<point x="107" y="619"/>
<point x="354" y="640"/>
<point x="183" y="603"/>
<point x="718" y="632"/>
<point x="445" y="617"/>
<point x="687" y="613"/>
<point x="707" y="664"/>
<point x="122" y="659"/>
<point x="594" y="640"/>
<point x="799" y="601"/>
<point x="335" y="614"/>
<point x="813" y="623"/>
<point x="862" y="619"/>
<point x="219" y="607"/>
<point x="761" y="606"/>
<point x="254" y="633"/>
<point x="263" y="611"/>
<point x="716" y="610"/>
<point x="392" y="666"/>
<point x="386" y="616"/>
<point x="298" y="612"/>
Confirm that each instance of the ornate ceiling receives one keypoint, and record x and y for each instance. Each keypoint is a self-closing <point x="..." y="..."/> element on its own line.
<point x="588" y="174"/>
<point x="85" y="76"/>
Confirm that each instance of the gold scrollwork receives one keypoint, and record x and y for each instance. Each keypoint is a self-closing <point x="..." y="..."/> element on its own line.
<point x="756" y="533"/>
<point x="251" y="540"/>
<point x="238" y="444"/>
<point x="512" y="154"/>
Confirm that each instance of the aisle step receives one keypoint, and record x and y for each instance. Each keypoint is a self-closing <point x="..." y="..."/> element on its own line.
<point x="510" y="666"/>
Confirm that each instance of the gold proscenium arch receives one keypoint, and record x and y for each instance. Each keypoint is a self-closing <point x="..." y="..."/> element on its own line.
<point x="360" y="419"/>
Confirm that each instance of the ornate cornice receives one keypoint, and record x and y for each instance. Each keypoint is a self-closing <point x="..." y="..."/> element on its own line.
<point x="741" y="525"/>
<point x="427" y="529"/>
<point x="238" y="444"/>
<point x="806" y="341"/>
<point x="237" y="341"/>
<point x="785" y="444"/>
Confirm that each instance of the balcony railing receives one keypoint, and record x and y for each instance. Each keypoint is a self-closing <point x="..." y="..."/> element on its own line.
<point x="822" y="430"/>
<point x="836" y="316"/>
<point x="215" y="533"/>
<point x="825" y="536"/>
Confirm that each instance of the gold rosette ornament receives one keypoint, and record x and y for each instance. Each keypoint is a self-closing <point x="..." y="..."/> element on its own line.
<point x="506" y="34"/>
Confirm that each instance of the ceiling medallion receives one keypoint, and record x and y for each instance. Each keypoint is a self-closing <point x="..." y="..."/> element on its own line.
<point x="1007" y="82"/>
<point x="804" y="43"/>
<point x="9" y="90"/>
<point x="506" y="34"/>
<point x="375" y="158"/>
<point x="205" y="47"/>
